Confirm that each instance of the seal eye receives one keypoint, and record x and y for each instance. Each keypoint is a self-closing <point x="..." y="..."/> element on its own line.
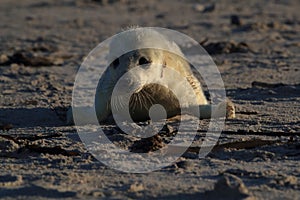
<point x="143" y="61"/>
<point x="116" y="63"/>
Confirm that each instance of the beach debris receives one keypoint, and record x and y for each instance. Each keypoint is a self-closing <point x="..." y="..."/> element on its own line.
<point x="185" y="164"/>
<point x="136" y="187"/>
<point x="235" y="20"/>
<point x="204" y="8"/>
<point x="285" y="180"/>
<point x="7" y="146"/>
<point x="146" y="145"/>
<point x="3" y="58"/>
<point x="29" y="58"/>
<point x="227" y="47"/>
<point x="229" y="187"/>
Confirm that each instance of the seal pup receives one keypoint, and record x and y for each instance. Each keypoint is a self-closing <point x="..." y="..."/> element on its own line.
<point x="151" y="64"/>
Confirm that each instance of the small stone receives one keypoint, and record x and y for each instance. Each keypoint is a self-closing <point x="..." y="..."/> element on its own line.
<point x="235" y="20"/>
<point x="287" y="180"/>
<point x="146" y="145"/>
<point x="160" y="16"/>
<point x="204" y="8"/>
<point x="199" y="7"/>
<point x="3" y="58"/>
<point x="8" y="146"/>
<point x="97" y="194"/>
<point x="56" y="61"/>
<point x="229" y="187"/>
<point x="29" y="18"/>
<point x="209" y="8"/>
<point x="185" y="164"/>
<point x="136" y="187"/>
<point x="227" y="47"/>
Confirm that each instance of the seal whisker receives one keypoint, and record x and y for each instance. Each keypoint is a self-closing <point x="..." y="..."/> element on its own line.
<point x="134" y="101"/>
<point x="149" y="97"/>
<point x="115" y="104"/>
<point x="121" y="102"/>
<point x="143" y="105"/>
<point x="140" y="101"/>
<point x="145" y="100"/>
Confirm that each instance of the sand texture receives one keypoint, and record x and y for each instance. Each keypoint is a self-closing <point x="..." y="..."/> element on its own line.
<point x="256" y="46"/>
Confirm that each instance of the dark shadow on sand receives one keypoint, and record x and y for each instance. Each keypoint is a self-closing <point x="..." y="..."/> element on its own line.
<point x="269" y="94"/>
<point x="34" y="191"/>
<point x="30" y="117"/>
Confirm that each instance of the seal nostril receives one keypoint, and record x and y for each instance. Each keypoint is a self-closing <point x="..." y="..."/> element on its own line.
<point x="143" y="61"/>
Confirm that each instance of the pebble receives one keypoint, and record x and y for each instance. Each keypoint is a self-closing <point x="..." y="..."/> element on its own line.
<point x="229" y="187"/>
<point x="185" y="164"/>
<point x="235" y="20"/>
<point x="3" y="58"/>
<point x="136" y="187"/>
<point x="204" y="8"/>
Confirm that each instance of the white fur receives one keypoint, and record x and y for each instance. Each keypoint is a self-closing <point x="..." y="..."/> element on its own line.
<point x="137" y="38"/>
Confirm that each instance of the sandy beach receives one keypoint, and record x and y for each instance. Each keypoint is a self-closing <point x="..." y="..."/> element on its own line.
<point x="255" y="45"/>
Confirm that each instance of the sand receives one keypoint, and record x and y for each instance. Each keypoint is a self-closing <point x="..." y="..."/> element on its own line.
<point x="255" y="45"/>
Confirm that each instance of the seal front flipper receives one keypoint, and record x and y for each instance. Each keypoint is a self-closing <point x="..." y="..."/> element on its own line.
<point x="223" y="109"/>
